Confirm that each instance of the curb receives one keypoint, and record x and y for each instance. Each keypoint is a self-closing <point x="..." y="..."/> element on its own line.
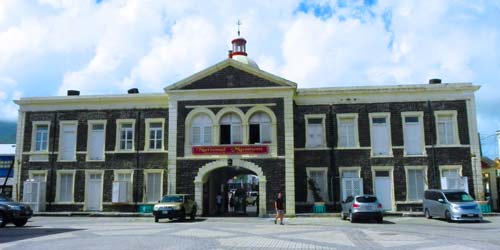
<point x="86" y="214"/>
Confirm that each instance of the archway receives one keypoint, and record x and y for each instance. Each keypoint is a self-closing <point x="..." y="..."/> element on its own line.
<point x="204" y="173"/>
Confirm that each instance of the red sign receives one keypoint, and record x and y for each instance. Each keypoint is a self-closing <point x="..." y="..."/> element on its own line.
<point x="229" y="150"/>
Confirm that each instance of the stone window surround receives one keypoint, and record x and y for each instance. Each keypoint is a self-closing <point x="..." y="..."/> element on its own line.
<point x="87" y="178"/>
<point x="130" y="191"/>
<point x="325" y="172"/>
<point x="33" y="136"/>
<point x="387" y="116"/>
<point x="31" y="173"/>
<point x="89" y="129"/>
<point x="67" y="122"/>
<point x="245" y="118"/>
<point x="426" y="185"/>
<point x="58" y="184"/>
<point x="147" y="123"/>
<point x="119" y="122"/>
<point x="456" y="137"/>
<point x="420" y="115"/>
<point x="450" y="167"/>
<point x="313" y="116"/>
<point x="145" y="174"/>
<point x="354" y="116"/>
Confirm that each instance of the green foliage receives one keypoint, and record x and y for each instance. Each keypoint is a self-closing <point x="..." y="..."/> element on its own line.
<point x="315" y="190"/>
<point x="7" y="132"/>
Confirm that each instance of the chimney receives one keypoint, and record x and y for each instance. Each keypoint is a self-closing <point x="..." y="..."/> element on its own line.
<point x="133" y="91"/>
<point x="72" y="92"/>
<point x="498" y="143"/>
<point x="435" y="81"/>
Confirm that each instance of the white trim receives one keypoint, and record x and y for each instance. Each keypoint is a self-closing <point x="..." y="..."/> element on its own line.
<point x="390" y="169"/>
<point x="420" y="115"/>
<point x="119" y="122"/>
<point x="325" y="177"/>
<point x="450" y="167"/>
<point x="145" y="183"/>
<point x="230" y="105"/>
<point x="354" y="116"/>
<point x="33" y="136"/>
<point x="424" y="168"/>
<point x="355" y="168"/>
<point x="58" y="186"/>
<point x="148" y="122"/>
<point x="456" y="137"/>
<point x="87" y="178"/>
<point x="21" y="123"/>
<point x="131" y="190"/>
<point x="387" y="116"/>
<point x="89" y="129"/>
<point x="37" y="172"/>
<point x="188" y="125"/>
<point x="323" y="121"/>
<point x="61" y="124"/>
<point x="312" y="149"/>
<point x="475" y="148"/>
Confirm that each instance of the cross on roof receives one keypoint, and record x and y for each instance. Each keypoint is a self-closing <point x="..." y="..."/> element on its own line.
<point x="239" y="24"/>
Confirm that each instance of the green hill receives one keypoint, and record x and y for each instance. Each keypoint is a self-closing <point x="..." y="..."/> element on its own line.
<point x="7" y="132"/>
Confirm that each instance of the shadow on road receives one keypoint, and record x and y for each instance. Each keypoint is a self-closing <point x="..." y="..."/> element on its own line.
<point x="373" y="222"/>
<point x="465" y="222"/>
<point x="11" y="233"/>
<point x="182" y="221"/>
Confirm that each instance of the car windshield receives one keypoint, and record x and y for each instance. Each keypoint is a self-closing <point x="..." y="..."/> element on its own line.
<point x="366" y="199"/>
<point x="173" y="198"/>
<point x="458" y="197"/>
<point x="3" y="198"/>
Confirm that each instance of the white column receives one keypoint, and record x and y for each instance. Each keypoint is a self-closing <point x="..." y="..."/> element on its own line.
<point x="498" y="143"/>
<point x="172" y="146"/>
<point x="289" y="156"/>
<point x="19" y="154"/>
<point x="477" y="178"/>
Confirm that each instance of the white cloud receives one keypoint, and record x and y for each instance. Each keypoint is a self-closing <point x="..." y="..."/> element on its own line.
<point x="8" y="92"/>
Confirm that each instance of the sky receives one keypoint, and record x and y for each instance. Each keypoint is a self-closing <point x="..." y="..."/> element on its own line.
<point x="109" y="46"/>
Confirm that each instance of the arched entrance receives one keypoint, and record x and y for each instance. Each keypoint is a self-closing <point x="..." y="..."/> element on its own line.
<point x="205" y="171"/>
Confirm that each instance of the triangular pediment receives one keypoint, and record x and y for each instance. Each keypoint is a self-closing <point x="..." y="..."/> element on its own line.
<point x="230" y="74"/>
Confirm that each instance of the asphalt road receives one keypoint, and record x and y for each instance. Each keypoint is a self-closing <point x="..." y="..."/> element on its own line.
<point x="75" y="233"/>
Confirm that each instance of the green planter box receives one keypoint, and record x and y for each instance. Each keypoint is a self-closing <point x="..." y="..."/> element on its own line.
<point x="319" y="208"/>
<point x="144" y="209"/>
<point x="485" y="208"/>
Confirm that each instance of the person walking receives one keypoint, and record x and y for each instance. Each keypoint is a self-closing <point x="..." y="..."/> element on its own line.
<point x="279" y="205"/>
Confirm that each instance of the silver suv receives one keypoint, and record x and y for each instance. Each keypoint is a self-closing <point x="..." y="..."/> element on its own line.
<point x="452" y="205"/>
<point x="362" y="207"/>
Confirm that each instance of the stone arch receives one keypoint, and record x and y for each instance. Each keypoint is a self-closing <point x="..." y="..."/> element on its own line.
<point x="206" y="169"/>
<point x="260" y="108"/>
<point x="226" y="110"/>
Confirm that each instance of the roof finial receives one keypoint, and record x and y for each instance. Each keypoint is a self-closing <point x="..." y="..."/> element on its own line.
<point x="239" y="24"/>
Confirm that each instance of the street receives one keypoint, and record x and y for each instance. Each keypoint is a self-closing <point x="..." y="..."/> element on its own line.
<point x="96" y="233"/>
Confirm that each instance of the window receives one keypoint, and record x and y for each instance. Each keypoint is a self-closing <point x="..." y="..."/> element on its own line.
<point x="451" y="177"/>
<point x="125" y="134"/>
<point x="38" y="175"/>
<point x="65" y="183"/>
<point x="96" y="140"/>
<point x="201" y="130"/>
<point x="154" y="134"/>
<point x="446" y="127"/>
<point x="416" y="183"/>
<point x="413" y="133"/>
<point x="40" y="136"/>
<point x="67" y="141"/>
<point x="124" y="176"/>
<point x="380" y="134"/>
<point x="320" y="178"/>
<point x="153" y="185"/>
<point x="230" y="129"/>
<point x="352" y="184"/>
<point x="315" y="131"/>
<point x="347" y="130"/>
<point x="260" y="128"/>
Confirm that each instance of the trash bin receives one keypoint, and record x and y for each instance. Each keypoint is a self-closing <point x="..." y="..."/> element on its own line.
<point x="144" y="209"/>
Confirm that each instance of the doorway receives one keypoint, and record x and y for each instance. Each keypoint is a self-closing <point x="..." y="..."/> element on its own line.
<point x="383" y="188"/>
<point x="94" y="194"/>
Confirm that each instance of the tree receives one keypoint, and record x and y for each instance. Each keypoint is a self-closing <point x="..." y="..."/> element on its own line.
<point x="314" y="189"/>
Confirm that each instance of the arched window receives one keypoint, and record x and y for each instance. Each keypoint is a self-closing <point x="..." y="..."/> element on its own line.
<point x="260" y="128"/>
<point x="230" y="129"/>
<point x="201" y="130"/>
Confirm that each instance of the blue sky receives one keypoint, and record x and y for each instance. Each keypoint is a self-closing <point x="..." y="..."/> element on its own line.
<point x="109" y="46"/>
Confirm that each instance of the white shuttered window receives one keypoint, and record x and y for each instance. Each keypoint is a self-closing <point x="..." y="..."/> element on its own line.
<point x="413" y="138"/>
<point x="380" y="136"/>
<point x="445" y="130"/>
<point x="67" y="142"/>
<point x="153" y="187"/>
<point x="315" y="136"/>
<point x="96" y="142"/>
<point x="201" y="130"/>
<point x="65" y="187"/>
<point x="347" y="136"/>
<point x="416" y="184"/>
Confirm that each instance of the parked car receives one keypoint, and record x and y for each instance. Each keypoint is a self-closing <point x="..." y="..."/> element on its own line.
<point x="452" y="205"/>
<point x="362" y="207"/>
<point x="252" y="197"/>
<point x="175" y="206"/>
<point x="13" y="212"/>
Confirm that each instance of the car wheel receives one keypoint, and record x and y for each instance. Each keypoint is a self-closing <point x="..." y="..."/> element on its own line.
<point x="2" y="220"/>
<point x="351" y="217"/>
<point x="447" y="216"/>
<point x="427" y="214"/>
<point x="20" y="223"/>
<point x="157" y="219"/>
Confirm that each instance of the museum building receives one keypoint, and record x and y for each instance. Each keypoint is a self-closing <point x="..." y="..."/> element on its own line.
<point x="234" y="118"/>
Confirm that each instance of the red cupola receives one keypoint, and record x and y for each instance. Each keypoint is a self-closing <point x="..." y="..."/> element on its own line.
<point x="239" y="47"/>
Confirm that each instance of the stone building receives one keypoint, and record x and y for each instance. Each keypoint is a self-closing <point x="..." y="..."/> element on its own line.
<point x="115" y="152"/>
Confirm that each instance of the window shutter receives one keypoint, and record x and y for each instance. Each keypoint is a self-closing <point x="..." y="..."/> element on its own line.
<point x="207" y="135"/>
<point x="380" y="139"/>
<point x="413" y="139"/>
<point x="67" y="144"/>
<point x="96" y="145"/>
<point x="315" y="135"/>
<point x="236" y="134"/>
